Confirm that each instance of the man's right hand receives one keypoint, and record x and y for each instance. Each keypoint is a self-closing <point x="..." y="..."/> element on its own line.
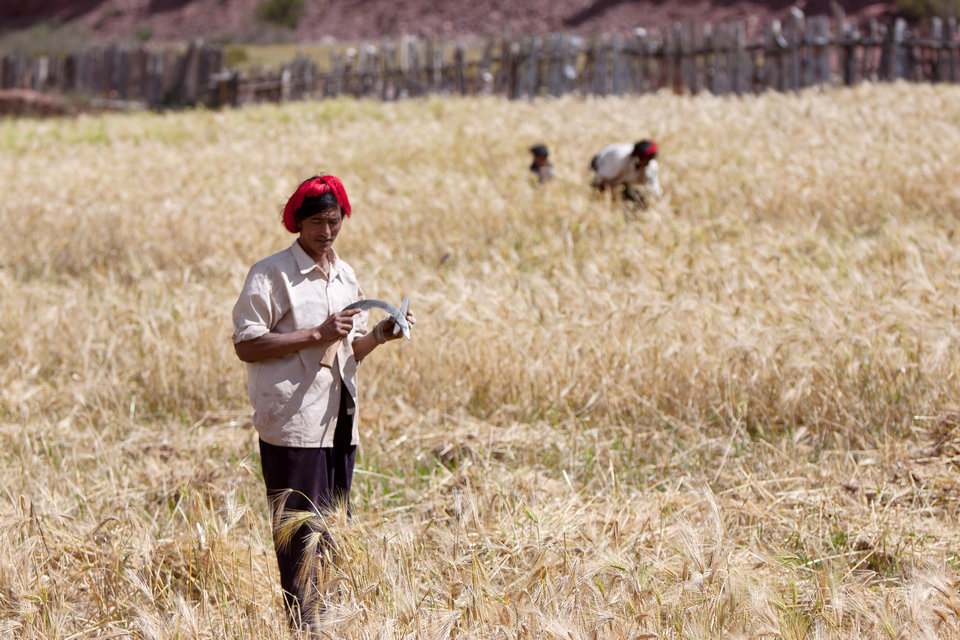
<point x="336" y="326"/>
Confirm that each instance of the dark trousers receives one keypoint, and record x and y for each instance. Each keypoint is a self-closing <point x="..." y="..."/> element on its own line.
<point x="307" y="479"/>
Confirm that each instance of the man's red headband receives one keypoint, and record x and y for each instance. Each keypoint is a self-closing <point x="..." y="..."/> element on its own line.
<point x="652" y="149"/>
<point x="311" y="188"/>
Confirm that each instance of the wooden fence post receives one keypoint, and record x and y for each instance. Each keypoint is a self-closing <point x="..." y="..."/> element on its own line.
<point x="155" y="97"/>
<point x="936" y="40"/>
<point x="891" y="57"/>
<point x="717" y="43"/>
<point x="795" y="75"/>
<point x="511" y="68"/>
<point x="773" y="46"/>
<point x="688" y="57"/>
<point x="459" y="72"/>
<point x="554" y="54"/>
<point x="585" y="83"/>
<point x="570" y="62"/>
<point x="643" y="51"/>
<point x="735" y="60"/>
<point x="809" y="53"/>
<point x="821" y="45"/>
<point x="670" y="48"/>
<point x="388" y="90"/>
<point x="950" y="43"/>
<point x="616" y="65"/>
<point x="528" y="68"/>
<point x="412" y="76"/>
<point x="600" y="61"/>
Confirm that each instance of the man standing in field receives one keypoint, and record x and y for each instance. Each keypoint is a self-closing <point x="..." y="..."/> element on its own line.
<point x="288" y="316"/>
<point x="628" y="165"/>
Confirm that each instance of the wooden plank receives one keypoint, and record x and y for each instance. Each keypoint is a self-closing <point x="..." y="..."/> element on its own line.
<point x="688" y="57"/>
<point x="433" y="57"/>
<point x="671" y="47"/>
<point x="585" y="84"/>
<point x="57" y="68"/>
<point x="617" y="81"/>
<point x="773" y="46"/>
<point x="155" y="96"/>
<point x="460" y="71"/>
<point x="950" y="42"/>
<point x="570" y="64"/>
<point x="736" y="62"/>
<point x="795" y="39"/>
<point x="809" y="53"/>
<point x="526" y="72"/>
<point x="839" y="42"/>
<point x="643" y="61"/>
<point x="350" y="77"/>
<point x="429" y="82"/>
<point x="93" y="72"/>
<point x="123" y="75"/>
<point x="134" y="74"/>
<point x="601" y="63"/>
<point x="412" y="83"/>
<point x="718" y="54"/>
<point x="503" y="76"/>
<point x="391" y="62"/>
<point x="185" y="87"/>
<point x="67" y="74"/>
<point x="821" y="43"/>
<point x="41" y="73"/>
<point x="892" y="59"/>
<point x="362" y="70"/>
<point x="485" y="73"/>
<point x="205" y="68"/>
<point x="938" y="65"/>
<point x="870" y="64"/>
<point x="554" y="47"/>
<point x="538" y="56"/>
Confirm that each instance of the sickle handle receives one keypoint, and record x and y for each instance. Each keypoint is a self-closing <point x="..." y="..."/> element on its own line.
<point x="329" y="354"/>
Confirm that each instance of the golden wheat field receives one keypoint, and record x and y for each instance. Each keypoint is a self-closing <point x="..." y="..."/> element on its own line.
<point x="735" y="416"/>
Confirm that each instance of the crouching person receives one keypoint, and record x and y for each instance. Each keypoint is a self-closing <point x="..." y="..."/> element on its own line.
<point x="632" y="167"/>
<point x="287" y="317"/>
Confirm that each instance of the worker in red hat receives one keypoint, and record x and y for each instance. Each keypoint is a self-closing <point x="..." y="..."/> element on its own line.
<point x="289" y="313"/>
<point x="634" y="166"/>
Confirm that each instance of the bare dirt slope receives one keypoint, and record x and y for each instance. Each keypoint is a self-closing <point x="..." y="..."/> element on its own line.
<point x="351" y="20"/>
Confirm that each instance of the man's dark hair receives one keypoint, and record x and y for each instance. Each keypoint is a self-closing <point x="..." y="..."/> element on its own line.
<point x="539" y="150"/>
<point x="315" y="204"/>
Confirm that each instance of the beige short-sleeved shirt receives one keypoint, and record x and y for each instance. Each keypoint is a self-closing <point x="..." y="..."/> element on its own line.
<point x="295" y="400"/>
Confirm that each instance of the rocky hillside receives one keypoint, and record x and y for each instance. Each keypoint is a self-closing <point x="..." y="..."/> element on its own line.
<point x="352" y="20"/>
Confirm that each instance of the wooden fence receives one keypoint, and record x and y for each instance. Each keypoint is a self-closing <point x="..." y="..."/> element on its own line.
<point x="134" y="77"/>
<point x="799" y="52"/>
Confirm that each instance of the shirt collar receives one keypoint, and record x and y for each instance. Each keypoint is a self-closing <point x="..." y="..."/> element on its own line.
<point x="306" y="264"/>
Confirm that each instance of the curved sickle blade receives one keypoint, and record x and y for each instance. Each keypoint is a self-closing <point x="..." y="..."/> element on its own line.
<point x="399" y="315"/>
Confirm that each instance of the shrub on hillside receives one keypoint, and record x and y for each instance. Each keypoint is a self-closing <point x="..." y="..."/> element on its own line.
<point x="929" y="8"/>
<point x="285" y="13"/>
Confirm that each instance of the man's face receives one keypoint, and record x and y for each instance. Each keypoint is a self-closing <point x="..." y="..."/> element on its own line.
<point x="318" y="232"/>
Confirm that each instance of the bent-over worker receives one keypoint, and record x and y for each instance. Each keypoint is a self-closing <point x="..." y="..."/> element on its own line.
<point x="634" y="166"/>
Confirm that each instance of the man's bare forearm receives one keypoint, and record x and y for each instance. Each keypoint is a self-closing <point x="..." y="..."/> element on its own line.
<point x="276" y="345"/>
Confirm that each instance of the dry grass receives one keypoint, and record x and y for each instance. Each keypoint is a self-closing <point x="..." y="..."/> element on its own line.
<point x="733" y="417"/>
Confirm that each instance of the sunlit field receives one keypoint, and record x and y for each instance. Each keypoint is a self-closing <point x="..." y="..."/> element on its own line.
<point x="734" y="416"/>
